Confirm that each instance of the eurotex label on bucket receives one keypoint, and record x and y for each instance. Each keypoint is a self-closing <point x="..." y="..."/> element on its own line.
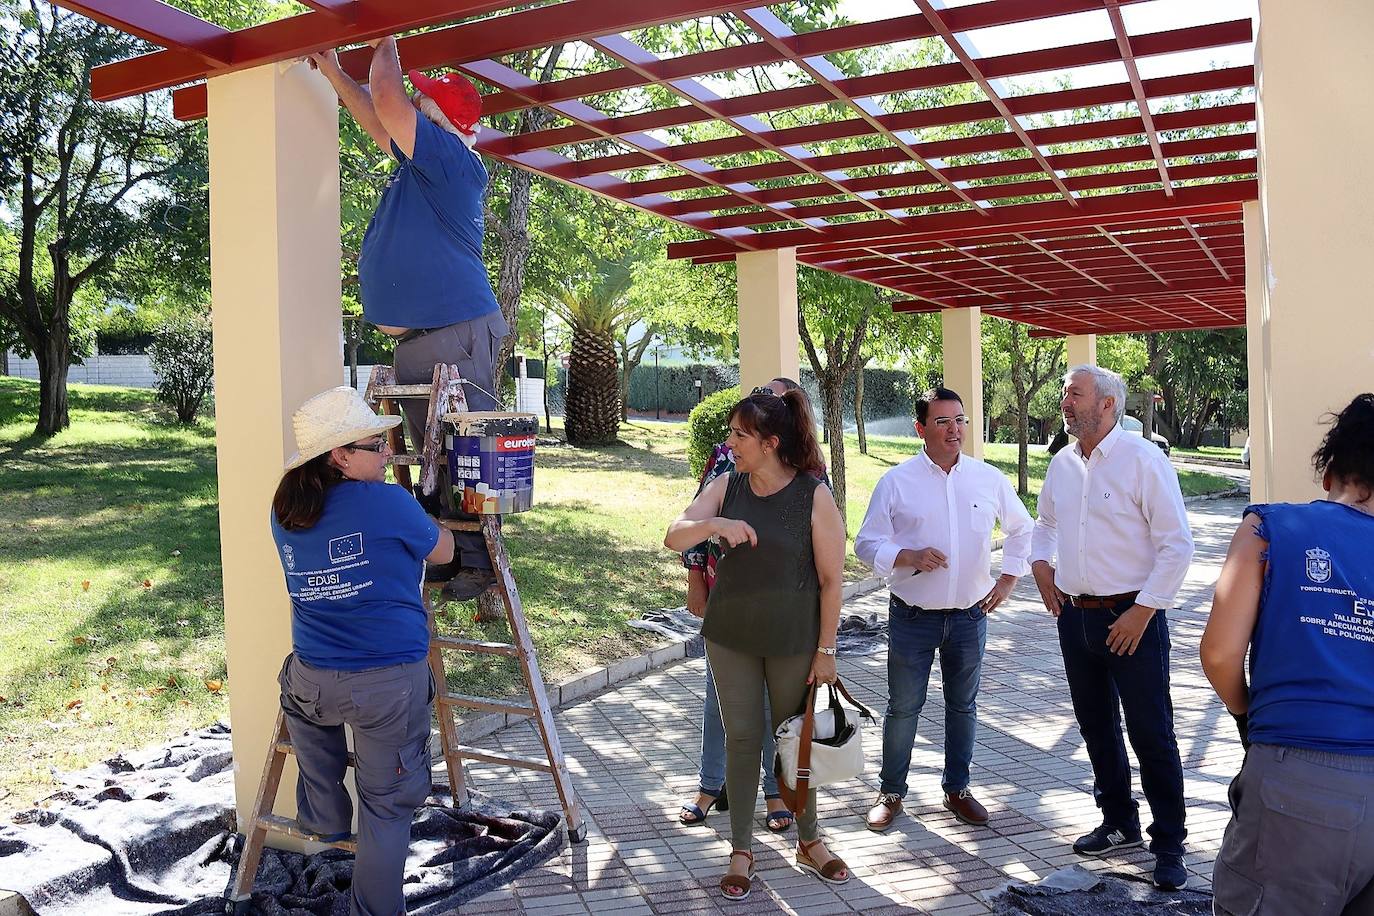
<point x="491" y="461"/>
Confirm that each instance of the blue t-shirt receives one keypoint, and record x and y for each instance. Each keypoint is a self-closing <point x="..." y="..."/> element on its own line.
<point x="355" y="576"/>
<point x="421" y="264"/>
<point x="1312" y="652"/>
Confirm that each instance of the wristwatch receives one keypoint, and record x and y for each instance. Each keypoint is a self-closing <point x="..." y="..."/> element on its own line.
<point x="826" y="650"/>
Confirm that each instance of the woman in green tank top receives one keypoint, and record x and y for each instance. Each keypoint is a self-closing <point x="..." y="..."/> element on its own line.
<point x="772" y="615"/>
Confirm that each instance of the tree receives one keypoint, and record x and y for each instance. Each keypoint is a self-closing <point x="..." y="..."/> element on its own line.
<point x="833" y="318"/>
<point x="1031" y="363"/>
<point x="182" y="356"/>
<point x="79" y="179"/>
<point x="1203" y="374"/>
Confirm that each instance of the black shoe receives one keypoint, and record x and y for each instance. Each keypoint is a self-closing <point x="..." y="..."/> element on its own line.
<point x="1106" y="838"/>
<point x="468" y="584"/>
<point x="1170" y="875"/>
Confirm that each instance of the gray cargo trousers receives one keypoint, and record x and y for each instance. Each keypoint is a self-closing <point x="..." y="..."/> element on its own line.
<point x="388" y="711"/>
<point x="1301" y="837"/>
<point x="474" y="347"/>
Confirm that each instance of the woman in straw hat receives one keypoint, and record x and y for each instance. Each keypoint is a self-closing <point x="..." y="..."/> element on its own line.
<point x="353" y="549"/>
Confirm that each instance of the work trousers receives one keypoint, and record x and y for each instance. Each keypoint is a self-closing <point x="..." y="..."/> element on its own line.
<point x="1301" y="836"/>
<point x="741" y="679"/>
<point x="388" y="711"/>
<point x="474" y="346"/>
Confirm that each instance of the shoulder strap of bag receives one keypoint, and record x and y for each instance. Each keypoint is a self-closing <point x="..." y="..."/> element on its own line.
<point x="803" y="789"/>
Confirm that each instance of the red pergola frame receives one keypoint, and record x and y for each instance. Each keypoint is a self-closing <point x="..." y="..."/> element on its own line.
<point x="1124" y="235"/>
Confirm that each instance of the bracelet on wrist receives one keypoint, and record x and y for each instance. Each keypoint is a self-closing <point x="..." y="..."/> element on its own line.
<point x="825" y="650"/>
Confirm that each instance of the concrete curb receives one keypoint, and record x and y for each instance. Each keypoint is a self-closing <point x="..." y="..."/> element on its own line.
<point x="1220" y="494"/>
<point x="575" y="688"/>
<point x="1214" y="462"/>
<point x="12" y="904"/>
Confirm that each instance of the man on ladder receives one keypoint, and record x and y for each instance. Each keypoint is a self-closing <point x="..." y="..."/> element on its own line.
<point x="421" y="272"/>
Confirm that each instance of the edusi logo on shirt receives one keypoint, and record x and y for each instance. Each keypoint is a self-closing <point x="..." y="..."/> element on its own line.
<point x="348" y="547"/>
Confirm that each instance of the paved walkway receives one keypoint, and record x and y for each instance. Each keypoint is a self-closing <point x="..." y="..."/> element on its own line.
<point x="632" y="750"/>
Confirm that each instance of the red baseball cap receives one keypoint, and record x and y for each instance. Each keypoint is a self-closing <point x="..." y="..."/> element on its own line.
<point x="455" y="95"/>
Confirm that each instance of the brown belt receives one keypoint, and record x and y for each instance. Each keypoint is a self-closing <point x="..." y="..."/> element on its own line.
<point x="1098" y="602"/>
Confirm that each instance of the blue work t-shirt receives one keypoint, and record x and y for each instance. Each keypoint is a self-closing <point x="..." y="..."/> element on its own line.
<point x="1312" y="652"/>
<point x="355" y="576"/>
<point x="421" y="264"/>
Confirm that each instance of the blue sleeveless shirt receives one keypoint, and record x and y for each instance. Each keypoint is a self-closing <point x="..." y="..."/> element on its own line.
<point x="1312" y="653"/>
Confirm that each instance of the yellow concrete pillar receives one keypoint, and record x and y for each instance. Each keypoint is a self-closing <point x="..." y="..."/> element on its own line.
<point x="963" y="359"/>
<point x="275" y="286"/>
<point x="1081" y="350"/>
<point x="1257" y="356"/>
<point x="768" y="339"/>
<point x="1316" y="127"/>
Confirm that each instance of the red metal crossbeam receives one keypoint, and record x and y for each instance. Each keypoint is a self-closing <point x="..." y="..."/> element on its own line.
<point x="934" y="17"/>
<point x="1192" y="230"/>
<point x="286" y="39"/>
<point x="1142" y="100"/>
<point x="1220" y="197"/>
<point x="1123" y="292"/>
<point x="161" y="24"/>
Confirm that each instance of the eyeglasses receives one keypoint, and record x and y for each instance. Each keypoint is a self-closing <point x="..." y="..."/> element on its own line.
<point x="944" y="422"/>
<point x="377" y="446"/>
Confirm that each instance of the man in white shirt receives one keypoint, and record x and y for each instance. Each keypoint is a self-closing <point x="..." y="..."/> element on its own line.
<point x="1112" y="515"/>
<point x="928" y="530"/>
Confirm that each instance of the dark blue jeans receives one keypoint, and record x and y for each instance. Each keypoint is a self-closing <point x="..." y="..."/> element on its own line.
<point x="914" y="636"/>
<point x="1102" y="684"/>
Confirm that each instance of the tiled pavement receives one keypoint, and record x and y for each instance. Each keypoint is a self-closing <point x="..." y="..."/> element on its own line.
<point x="632" y="750"/>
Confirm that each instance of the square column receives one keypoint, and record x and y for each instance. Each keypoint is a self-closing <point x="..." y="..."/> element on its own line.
<point x="1081" y="350"/>
<point x="768" y="338"/>
<point x="1316" y="208"/>
<point x="275" y="285"/>
<point x="1257" y="356"/>
<point x="963" y="368"/>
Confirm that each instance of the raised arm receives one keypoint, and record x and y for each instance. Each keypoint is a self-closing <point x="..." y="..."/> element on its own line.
<point x="355" y="97"/>
<point x="389" y="96"/>
<point x="701" y="520"/>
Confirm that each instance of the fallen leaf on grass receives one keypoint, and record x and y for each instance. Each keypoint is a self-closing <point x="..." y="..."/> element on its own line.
<point x="184" y="702"/>
<point x="172" y="681"/>
<point x="85" y="585"/>
<point x="214" y="686"/>
<point x="105" y="688"/>
<point x="72" y="704"/>
<point x="147" y="583"/>
<point x="79" y="640"/>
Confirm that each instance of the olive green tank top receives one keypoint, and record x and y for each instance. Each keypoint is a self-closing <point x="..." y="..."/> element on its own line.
<point x="767" y="599"/>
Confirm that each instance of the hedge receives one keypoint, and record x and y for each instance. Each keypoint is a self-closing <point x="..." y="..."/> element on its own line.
<point x="707" y="425"/>
<point x="887" y="392"/>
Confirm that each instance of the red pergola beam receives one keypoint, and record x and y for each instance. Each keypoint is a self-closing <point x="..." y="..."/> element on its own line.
<point x="289" y="38"/>
<point x="346" y="10"/>
<point x="1010" y="218"/>
<point x="154" y="21"/>
<point x="1121" y="292"/>
<point x="1142" y="100"/>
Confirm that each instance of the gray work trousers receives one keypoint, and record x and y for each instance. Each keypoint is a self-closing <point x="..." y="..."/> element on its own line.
<point x="474" y="346"/>
<point x="1301" y="836"/>
<point x="741" y="679"/>
<point x="388" y="711"/>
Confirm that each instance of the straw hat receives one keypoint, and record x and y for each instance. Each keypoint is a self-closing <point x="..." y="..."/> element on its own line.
<point x="333" y="418"/>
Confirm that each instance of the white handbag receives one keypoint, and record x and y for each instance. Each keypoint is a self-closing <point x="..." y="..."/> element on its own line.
<point x="819" y="748"/>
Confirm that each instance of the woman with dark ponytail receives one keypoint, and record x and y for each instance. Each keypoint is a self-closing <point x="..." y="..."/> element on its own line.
<point x="1297" y="593"/>
<point x="353" y="549"/>
<point x="772" y="615"/>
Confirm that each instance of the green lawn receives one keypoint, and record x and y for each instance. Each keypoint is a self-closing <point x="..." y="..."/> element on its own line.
<point x="1210" y="451"/>
<point x="110" y="579"/>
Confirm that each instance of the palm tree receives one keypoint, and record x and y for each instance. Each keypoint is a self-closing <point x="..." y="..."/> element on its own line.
<point x="594" y="301"/>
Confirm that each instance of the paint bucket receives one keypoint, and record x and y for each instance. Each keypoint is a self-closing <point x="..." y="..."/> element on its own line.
<point x="491" y="461"/>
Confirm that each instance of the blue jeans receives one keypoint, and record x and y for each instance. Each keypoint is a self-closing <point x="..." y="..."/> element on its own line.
<point x="1102" y="684"/>
<point x="713" y="745"/>
<point x="914" y="635"/>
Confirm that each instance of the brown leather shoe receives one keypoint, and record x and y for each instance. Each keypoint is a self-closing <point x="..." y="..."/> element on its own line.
<point x="966" y="807"/>
<point x="880" y="816"/>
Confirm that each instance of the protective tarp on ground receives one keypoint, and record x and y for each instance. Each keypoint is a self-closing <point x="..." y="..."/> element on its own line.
<point x="1075" y="891"/>
<point x="153" y="832"/>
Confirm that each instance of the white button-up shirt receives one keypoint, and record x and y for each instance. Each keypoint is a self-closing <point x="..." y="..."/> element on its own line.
<point x="1115" y="521"/>
<point x="917" y="505"/>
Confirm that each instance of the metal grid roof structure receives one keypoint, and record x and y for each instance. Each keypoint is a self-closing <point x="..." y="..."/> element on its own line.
<point x="1098" y="208"/>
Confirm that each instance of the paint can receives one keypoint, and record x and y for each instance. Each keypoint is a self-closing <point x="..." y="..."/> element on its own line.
<point x="491" y="461"/>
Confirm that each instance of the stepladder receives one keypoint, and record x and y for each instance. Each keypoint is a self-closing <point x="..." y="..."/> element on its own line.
<point x="445" y="399"/>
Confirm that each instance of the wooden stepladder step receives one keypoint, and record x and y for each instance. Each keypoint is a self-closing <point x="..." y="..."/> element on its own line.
<point x="444" y="396"/>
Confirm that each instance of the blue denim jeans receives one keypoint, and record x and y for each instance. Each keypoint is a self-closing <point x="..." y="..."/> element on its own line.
<point x="713" y="745"/>
<point x="914" y="636"/>
<point x="1102" y="684"/>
